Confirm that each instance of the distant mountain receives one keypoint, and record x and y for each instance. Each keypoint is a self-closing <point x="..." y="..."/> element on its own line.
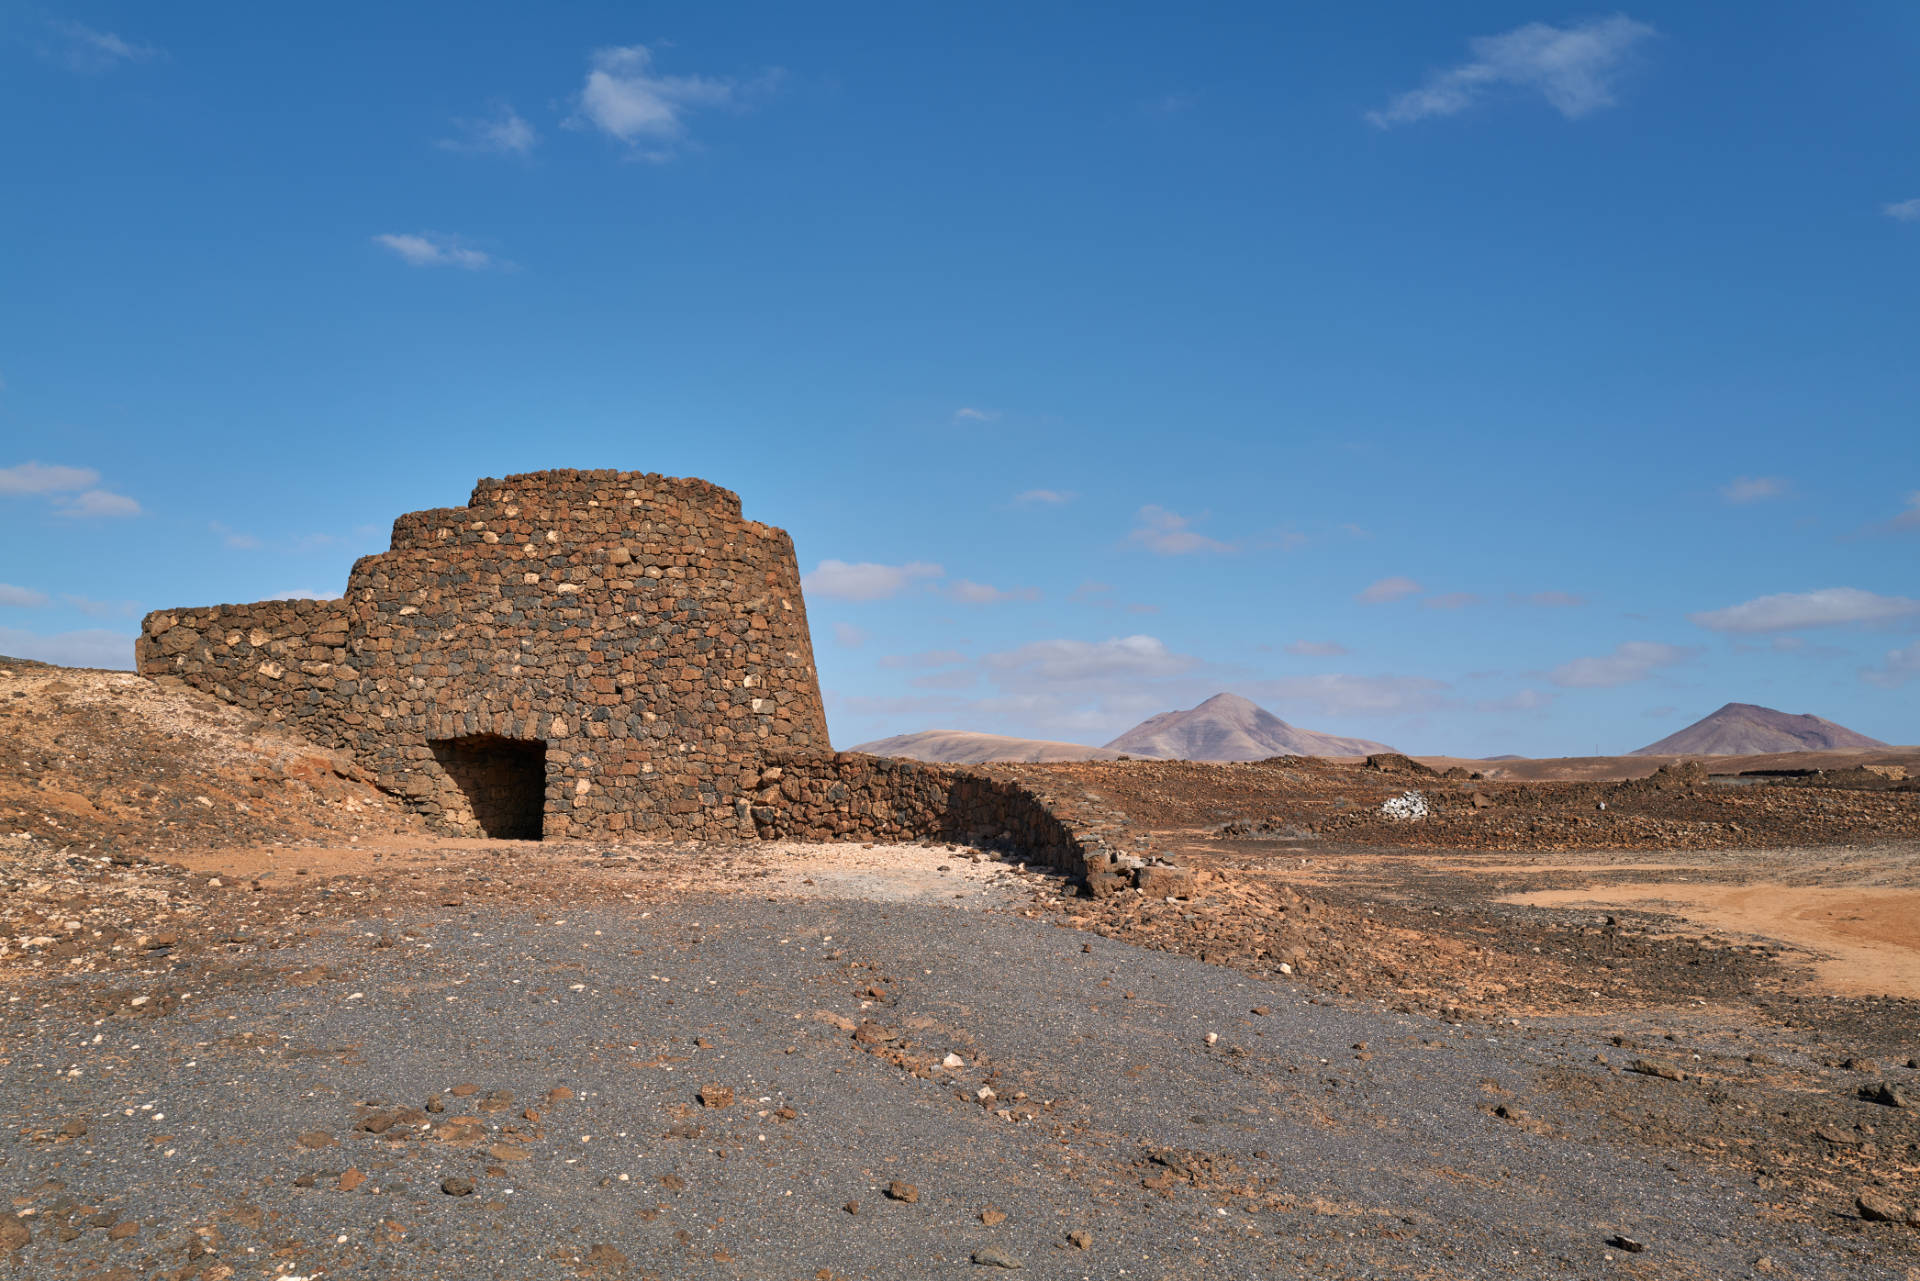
<point x="960" y="747"/>
<point x="1228" y="727"/>
<point x="1743" y="729"/>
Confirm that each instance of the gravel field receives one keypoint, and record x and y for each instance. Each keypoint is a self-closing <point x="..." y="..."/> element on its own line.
<point x="730" y="1086"/>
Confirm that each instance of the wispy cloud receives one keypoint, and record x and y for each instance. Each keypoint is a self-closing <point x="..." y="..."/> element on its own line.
<point x="1753" y="489"/>
<point x="21" y="597"/>
<point x="1317" y="649"/>
<point x="1574" y="68"/>
<point x="44" y="478"/>
<point x="625" y="98"/>
<point x="968" y="414"/>
<point x="303" y="593"/>
<point x="1789" y="611"/>
<point x="1546" y="600"/>
<point x="430" y="249"/>
<point x="1345" y="694"/>
<point x="1168" y="533"/>
<point x="89" y="647"/>
<point x="1055" y="662"/>
<point x="84" y="49"/>
<point x="865" y="580"/>
<point x="1910" y="518"/>
<point x="1899" y="667"/>
<point x="847" y="636"/>
<point x="74" y="490"/>
<point x="1903" y="210"/>
<point x="1451" y="600"/>
<point x="1395" y="588"/>
<point x="1043" y="497"/>
<point x="968" y="592"/>
<point x="237" y="539"/>
<point x="1525" y="700"/>
<point x="505" y="132"/>
<point x="101" y="608"/>
<point x="925" y="658"/>
<point x="1629" y="662"/>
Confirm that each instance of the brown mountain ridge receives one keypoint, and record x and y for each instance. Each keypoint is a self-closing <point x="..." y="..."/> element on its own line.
<point x="1747" y="729"/>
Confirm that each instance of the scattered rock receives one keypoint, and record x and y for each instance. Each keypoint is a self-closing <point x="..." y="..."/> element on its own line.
<point x="851" y="1207"/>
<point x="716" y="1096"/>
<point x="1875" y="1208"/>
<point x="1080" y="1240"/>
<point x="351" y="1179"/>
<point x="14" y="1232"/>
<point x="993" y="1218"/>
<point x="897" y="1191"/>
<point x="995" y="1259"/>
<point x="1886" y="1094"/>
<point x="316" y="1139"/>
<point x="457" y="1186"/>
<point x="1626" y="1243"/>
<point x="1651" y="1067"/>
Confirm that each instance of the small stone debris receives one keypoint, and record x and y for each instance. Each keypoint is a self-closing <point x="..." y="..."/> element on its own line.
<point x="1875" y="1208"/>
<point x="605" y="1256"/>
<point x="1650" y="1067"/>
<point x="351" y="1179"/>
<point x="851" y="1207"/>
<point x="316" y="1139"/>
<point x="1626" y="1243"/>
<point x="1080" y="1240"/>
<point x="897" y="1191"/>
<point x="466" y="1089"/>
<point x="14" y="1233"/>
<point x="715" y="1096"/>
<point x="1886" y="1094"/>
<point x="1262" y="1011"/>
<point x="995" y="1259"/>
<point x="457" y="1186"/>
<point x="993" y="1218"/>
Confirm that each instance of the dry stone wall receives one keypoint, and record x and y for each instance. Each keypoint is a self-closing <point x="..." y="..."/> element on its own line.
<point x="573" y="653"/>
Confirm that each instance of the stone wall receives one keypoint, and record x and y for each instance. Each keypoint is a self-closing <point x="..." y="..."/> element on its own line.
<point x="631" y="635"/>
<point x="848" y="796"/>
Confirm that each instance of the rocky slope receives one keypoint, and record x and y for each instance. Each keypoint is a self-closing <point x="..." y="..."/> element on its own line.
<point x="962" y="747"/>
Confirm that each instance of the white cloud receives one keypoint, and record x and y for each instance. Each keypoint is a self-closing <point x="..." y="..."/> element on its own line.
<point x="952" y="678"/>
<point x="925" y="658"/>
<point x="1389" y="589"/>
<point x="431" y="250"/>
<point x="969" y="592"/>
<point x="1900" y="666"/>
<point x="624" y="98"/>
<point x="1168" y="533"/>
<point x="967" y="414"/>
<point x="91" y="647"/>
<point x="303" y="593"/>
<point x="1342" y="694"/>
<point x="1547" y="600"/>
<point x="1317" y="649"/>
<point x="21" y="597"/>
<point x="865" y="580"/>
<point x="237" y="539"/>
<point x="1631" y="661"/>
<point x="96" y="502"/>
<point x="1903" y="210"/>
<point x="1789" y="611"/>
<point x="1054" y="662"/>
<point x="1049" y="497"/>
<point x="41" y="478"/>
<point x="504" y="131"/>
<point x="1572" y="67"/>
<point x="1450" y="600"/>
<point x="1753" y="489"/>
<point x="847" y="636"/>
<point x="87" y="50"/>
<point x="101" y="608"/>
<point x="1910" y="518"/>
<point x="1526" y="700"/>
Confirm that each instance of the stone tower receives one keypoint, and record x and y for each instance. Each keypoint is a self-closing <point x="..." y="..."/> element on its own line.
<point x="573" y="653"/>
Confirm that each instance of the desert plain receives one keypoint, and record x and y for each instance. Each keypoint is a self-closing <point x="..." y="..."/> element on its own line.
<point x="1628" y="1017"/>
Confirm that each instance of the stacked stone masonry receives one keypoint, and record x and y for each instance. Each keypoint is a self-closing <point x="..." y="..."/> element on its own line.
<point x="598" y="655"/>
<point x="573" y="653"/>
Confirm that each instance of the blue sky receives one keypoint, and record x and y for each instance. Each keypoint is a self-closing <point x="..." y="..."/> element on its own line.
<point x="1479" y="378"/>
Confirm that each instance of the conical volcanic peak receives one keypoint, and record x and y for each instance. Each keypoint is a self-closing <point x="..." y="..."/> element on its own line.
<point x="1229" y="727"/>
<point x="1747" y="729"/>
